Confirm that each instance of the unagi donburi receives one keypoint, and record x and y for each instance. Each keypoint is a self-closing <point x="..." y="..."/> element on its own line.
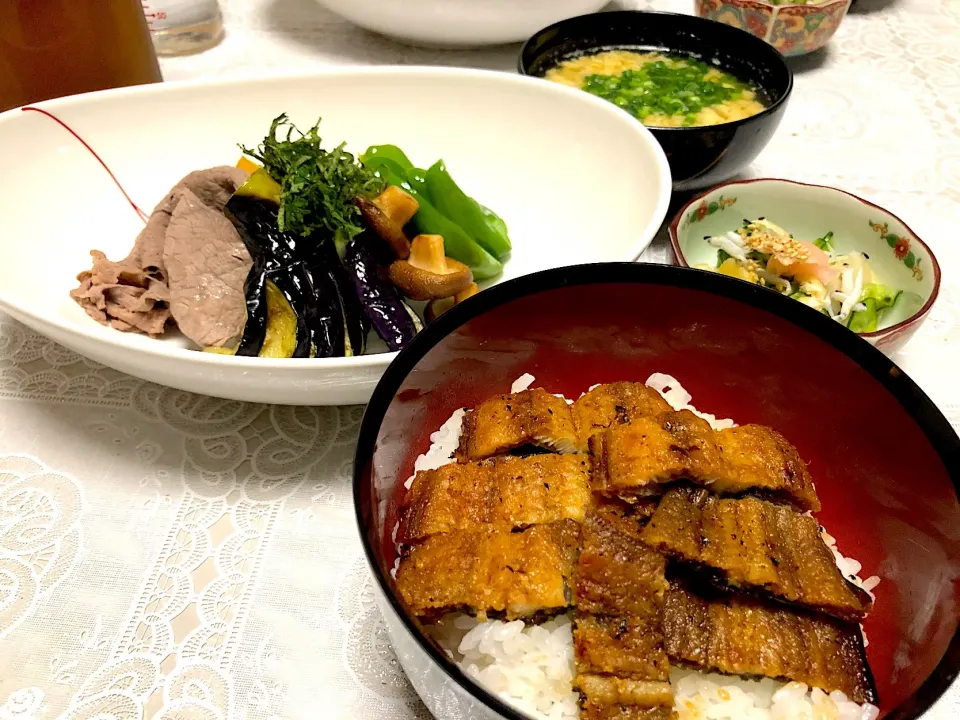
<point x="626" y="557"/>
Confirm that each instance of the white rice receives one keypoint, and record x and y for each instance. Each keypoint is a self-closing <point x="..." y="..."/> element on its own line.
<point x="679" y="399"/>
<point x="522" y="383"/>
<point x="443" y="443"/>
<point x="703" y="696"/>
<point x="531" y="667"/>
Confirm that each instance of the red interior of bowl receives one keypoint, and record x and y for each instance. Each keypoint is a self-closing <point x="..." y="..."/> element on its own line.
<point x="887" y="496"/>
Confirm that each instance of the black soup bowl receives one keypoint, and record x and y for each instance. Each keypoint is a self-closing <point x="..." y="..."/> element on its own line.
<point x="699" y="156"/>
<point x="885" y="461"/>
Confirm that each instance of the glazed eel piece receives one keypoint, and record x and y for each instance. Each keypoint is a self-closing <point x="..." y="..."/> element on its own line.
<point x="756" y="546"/>
<point x="502" y="493"/>
<point x="615" y="403"/>
<point x="642" y="457"/>
<point x="505" y="423"/>
<point x="492" y="572"/>
<point x="741" y="635"/>
<point x="622" y="667"/>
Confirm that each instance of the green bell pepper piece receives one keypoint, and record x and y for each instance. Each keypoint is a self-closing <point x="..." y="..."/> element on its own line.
<point x="449" y="199"/>
<point x="456" y="242"/>
<point x="495" y="220"/>
<point x="386" y="152"/>
<point x="430" y="221"/>
<point x="418" y="180"/>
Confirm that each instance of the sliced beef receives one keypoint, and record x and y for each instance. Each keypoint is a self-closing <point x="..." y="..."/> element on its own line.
<point x="132" y="294"/>
<point x="211" y="187"/>
<point x="123" y="297"/>
<point x="206" y="264"/>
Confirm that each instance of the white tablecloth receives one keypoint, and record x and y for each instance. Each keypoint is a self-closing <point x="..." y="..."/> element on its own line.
<point x="194" y="558"/>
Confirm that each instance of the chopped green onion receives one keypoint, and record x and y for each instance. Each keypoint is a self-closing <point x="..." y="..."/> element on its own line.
<point x="825" y="243"/>
<point x="671" y="87"/>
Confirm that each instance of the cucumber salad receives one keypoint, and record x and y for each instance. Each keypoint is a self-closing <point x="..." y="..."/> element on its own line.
<point x="841" y="286"/>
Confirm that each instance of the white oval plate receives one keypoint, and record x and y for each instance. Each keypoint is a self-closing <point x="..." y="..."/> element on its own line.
<point x="576" y="179"/>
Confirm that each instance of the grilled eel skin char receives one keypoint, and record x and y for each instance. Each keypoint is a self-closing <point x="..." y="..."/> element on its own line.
<point x="755" y="545"/>
<point x="744" y="636"/>
<point x="649" y="452"/>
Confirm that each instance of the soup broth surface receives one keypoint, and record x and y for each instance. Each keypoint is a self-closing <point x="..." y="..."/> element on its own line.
<point x="661" y="90"/>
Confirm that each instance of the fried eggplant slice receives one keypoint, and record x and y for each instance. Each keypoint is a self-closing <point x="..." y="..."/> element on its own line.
<point x="649" y="452"/>
<point x="508" y="422"/>
<point x="501" y="493"/>
<point x="509" y="574"/>
<point x="755" y="545"/>
<point x="615" y="403"/>
<point x="744" y="636"/>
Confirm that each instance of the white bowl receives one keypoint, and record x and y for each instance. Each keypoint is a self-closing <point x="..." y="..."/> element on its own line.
<point x="459" y="23"/>
<point x="576" y="180"/>
<point x="899" y="258"/>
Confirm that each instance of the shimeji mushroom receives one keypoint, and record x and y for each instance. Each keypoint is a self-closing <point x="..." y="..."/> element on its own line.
<point x="428" y="274"/>
<point x="387" y="214"/>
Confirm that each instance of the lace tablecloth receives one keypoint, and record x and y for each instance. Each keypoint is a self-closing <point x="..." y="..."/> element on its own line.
<point x="164" y="555"/>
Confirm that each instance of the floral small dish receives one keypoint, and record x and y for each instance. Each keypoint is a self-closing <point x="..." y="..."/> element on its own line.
<point x="896" y="256"/>
<point x="792" y="28"/>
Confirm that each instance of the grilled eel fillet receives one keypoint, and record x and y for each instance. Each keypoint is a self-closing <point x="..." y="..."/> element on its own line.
<point x="622" y="669"/>
<point x="615" y="403"/>
<point x="744" y="636"/>
<point x="537" y="418"/>
<point x="638" y="458"/>
<point x="501" y="493"/>
<point x="507" y="422"/>
<point x="755" y="545"/>
<point x="489" y="571"/>
<point x="612" y="698"/>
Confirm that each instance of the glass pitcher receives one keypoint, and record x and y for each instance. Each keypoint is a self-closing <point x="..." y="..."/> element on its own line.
<point x="52" y="48"/>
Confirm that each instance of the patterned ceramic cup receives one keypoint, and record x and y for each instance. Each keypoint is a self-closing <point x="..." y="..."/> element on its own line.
<point x="899" y="258"/>
<point x="791" y="29"/>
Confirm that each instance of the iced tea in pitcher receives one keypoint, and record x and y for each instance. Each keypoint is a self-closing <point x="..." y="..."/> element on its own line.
<point x="52" y="48"/>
